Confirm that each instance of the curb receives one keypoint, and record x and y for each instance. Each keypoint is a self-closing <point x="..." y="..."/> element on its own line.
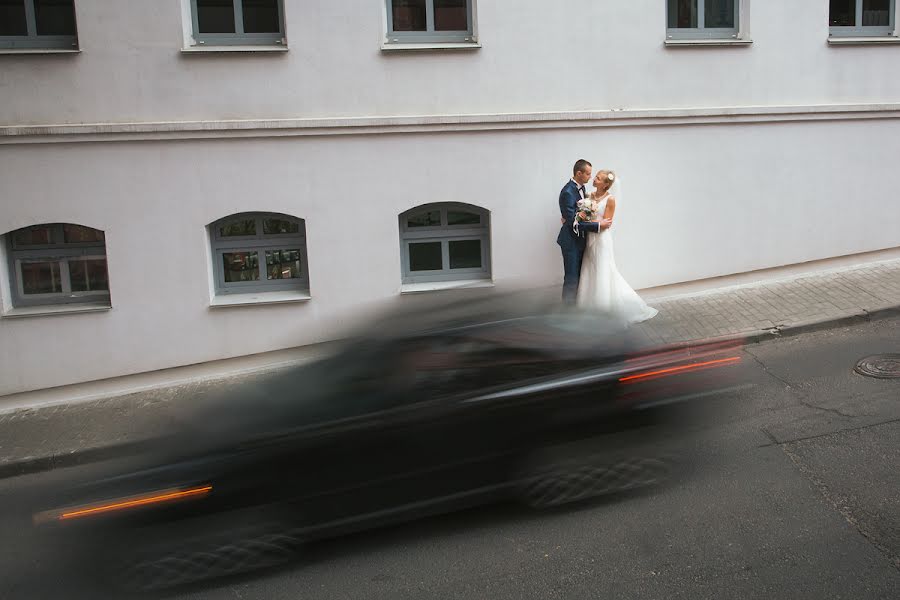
<point x="813" y="325"/>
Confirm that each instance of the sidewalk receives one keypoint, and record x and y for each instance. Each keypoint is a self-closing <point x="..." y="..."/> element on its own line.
<point x="56" y="431"/>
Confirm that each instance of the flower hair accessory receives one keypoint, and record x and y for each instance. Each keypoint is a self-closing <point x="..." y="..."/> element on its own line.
<point x="611" y="176"/>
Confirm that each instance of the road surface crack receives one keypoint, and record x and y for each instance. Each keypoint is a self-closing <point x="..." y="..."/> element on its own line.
<point x="839" y="506"/>
<point x="801" y="398"/>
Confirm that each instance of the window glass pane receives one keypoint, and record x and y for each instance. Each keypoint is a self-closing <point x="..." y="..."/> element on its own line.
<point x="41" y="278"/>
<point x="12" y="17"/>
<point x="54" y="17"/>
<point x="465" y="254"/>
<point x="31" y="236"/>
<point x="462" y="218"/>
<point x="215" y="16"/>
<point x="88" y="275"/>
<point x="282" y="264"/>
<point x="261" y="16"/>
<point x="76" y="234"/>
<point x="277" y="226"/>
<point x="409" y="15"/>
<point x="425" y="256"/>
<point x="450" y="15"/>
<point x="842" y="13"/>
<point x="877" y="13"/>
<point x="426" y="219"/>
<point x="682" y="14"/>
<point x="240" y="227"/>
<point x="719" y="13"/>
<point x="240" y="266"/>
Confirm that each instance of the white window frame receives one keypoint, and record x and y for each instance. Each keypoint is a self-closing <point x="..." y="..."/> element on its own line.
<point x="56" y="251"/>
<point x="701" y="32"/>
<point x="259" y="243"/>
<point x="859" y="30"/>
<point x="430" y="36"/>
<point x="444" y="234"/>
<point x="33" y="41"/>
<point x="238" y="38"/>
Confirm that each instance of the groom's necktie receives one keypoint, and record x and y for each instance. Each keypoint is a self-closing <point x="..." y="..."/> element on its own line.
<point x="581" y="189"/>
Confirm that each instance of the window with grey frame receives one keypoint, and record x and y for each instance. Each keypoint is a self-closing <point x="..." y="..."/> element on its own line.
<point x="58" y="263"/>
<point x="256" y="252"/>
<point x="430" y="21"/>
<point x="238" y="22"/>
<point x="854" y="18"/>
<point x="38" y="24"/>
<point x="445" y="242"/>
<point x="702" y="19"/>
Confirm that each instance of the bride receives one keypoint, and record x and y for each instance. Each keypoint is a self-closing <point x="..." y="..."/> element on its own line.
<point x="601" y="286"/>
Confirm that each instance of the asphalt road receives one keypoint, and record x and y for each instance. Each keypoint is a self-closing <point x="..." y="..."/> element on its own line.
<point x="791" y="490"/>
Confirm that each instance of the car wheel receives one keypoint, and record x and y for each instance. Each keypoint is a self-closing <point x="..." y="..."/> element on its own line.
<point x="548" y="482"/>
<point x="214" y="549"/>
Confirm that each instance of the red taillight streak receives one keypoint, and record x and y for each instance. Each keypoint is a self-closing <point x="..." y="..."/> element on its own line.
<point x="199" y="491"/>
<point x="679" y="369"/>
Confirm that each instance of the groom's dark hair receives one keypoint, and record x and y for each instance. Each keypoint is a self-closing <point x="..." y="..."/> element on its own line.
<point x="580" y="164"/>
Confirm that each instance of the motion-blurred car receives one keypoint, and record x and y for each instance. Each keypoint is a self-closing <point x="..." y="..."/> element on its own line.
<point x="429" y="413"/>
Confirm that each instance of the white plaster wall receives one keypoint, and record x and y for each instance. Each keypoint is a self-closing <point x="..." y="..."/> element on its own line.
<point x="698" y="201"/>
<point x="536" y="56"/>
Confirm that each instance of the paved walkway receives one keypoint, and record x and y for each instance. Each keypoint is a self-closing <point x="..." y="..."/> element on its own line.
<point x="779" y="306"/>
<point x="57" y="432"/>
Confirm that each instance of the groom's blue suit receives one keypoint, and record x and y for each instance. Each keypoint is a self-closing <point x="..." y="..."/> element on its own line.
<point x="571" y="243"/>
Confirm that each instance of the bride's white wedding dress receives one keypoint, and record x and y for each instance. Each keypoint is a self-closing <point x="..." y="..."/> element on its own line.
<point x="601" y="287"/>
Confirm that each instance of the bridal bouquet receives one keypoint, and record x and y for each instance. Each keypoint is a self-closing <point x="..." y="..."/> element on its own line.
<point x="585" y="212"/>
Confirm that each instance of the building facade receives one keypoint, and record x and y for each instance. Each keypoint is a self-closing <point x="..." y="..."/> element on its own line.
<point x="189" y="180"/>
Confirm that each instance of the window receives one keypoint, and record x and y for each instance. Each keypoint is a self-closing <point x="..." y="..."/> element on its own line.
<point x="238" y="22"/>
<point x="424" y="21"/>
<point x="255" y="252"/>
<point x="702" y="19"/>
<point x="445" y="242"/>
<point x="37" y="24"/>
<point x="57" y="263"/>
<point x="861" y="17"/>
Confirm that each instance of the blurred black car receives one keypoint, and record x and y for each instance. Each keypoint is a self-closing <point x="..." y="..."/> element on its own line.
<point x="439" y="410"/>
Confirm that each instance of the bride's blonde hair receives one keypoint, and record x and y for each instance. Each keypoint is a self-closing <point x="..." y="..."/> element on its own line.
<point x="608" y="177"/>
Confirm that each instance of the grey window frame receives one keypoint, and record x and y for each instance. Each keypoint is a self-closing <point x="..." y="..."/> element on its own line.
<point x="701" y="32"/>
<point x="865" y="30"/>
<point x="258" y="243"/>
<point x="59" y="250"/>
<point x="238" y="38"/>
<point x="33" y="41"/>
<point x="430" y="35"/>
<point x="444" y="234"/>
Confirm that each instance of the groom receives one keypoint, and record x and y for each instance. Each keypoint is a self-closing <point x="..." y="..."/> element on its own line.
<point x="571" y="238"/>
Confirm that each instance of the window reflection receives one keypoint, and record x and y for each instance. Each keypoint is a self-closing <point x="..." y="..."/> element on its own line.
<point x="41" y="278"/>
<point x="88" y="275"/>
<point x="283" y="264"/>
<point x="241" y="266"/>
<point x="409" y="15"/>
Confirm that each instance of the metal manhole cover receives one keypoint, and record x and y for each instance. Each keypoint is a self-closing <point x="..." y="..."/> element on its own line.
<point x="882" y="366"/>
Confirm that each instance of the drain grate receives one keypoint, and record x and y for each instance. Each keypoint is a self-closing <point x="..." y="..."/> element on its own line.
<point x="882" y="366"/>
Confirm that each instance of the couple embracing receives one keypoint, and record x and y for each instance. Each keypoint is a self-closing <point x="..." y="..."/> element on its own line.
<point x="592" y="280"/>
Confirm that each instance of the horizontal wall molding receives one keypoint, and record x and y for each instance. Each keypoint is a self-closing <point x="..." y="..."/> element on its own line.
<point x="256" y="128"/>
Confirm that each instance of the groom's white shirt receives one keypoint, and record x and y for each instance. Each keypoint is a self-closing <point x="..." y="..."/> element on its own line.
<point x="579" y="186"/>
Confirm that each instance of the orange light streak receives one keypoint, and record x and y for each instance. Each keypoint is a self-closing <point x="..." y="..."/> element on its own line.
<point x="140" y="501"/>
<point x="681" y="369"/>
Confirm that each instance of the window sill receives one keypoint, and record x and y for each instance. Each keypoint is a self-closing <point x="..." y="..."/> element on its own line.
<point x="52" y="310"/>
<point x="258" y="299"/>
<point x="406" y="47"/>
<point x="438" y="286"/>
<point x="708" y="42"/>
<point x="862" y="40"/>
<point x="39" y="51"/>
<point x="236" y="48"/>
